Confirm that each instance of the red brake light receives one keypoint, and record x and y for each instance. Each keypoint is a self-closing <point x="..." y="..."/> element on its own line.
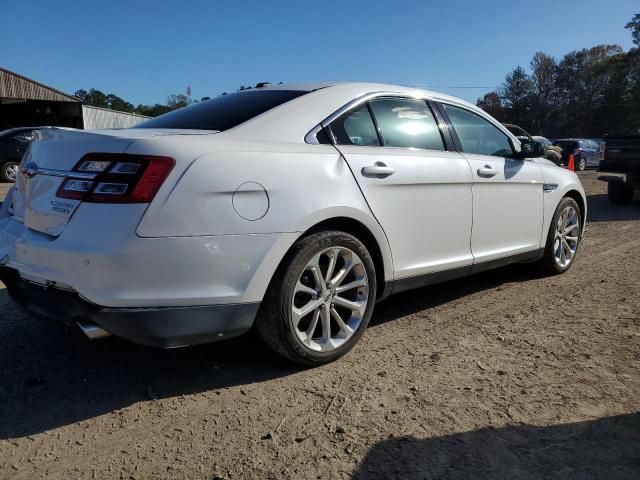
<point x="116" y="178"/>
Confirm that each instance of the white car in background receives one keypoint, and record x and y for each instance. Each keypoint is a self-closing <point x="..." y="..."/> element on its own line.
<point x="291" y="208"/>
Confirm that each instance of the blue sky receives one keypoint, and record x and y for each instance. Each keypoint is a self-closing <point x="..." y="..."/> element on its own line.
<point x="144" y="50"/>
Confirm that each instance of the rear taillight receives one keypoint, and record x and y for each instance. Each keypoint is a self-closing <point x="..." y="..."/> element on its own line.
<point x="116" y="178"/>
<point x="602" y="145"/>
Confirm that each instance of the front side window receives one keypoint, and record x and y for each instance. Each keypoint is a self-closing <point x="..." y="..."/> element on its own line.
<point x="478" y="135"/>
<point x="355" y="127"/>
<point x="408" y="123"/>
<point x="223" y="112"/>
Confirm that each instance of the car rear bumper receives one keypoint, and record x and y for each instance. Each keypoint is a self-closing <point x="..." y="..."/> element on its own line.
<point x="165" y="327"/>
<point x="100" y="258"/>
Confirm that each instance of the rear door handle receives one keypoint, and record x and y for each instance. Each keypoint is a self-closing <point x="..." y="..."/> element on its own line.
<point x="377" y="170"/>
<point x="487" y="171"/>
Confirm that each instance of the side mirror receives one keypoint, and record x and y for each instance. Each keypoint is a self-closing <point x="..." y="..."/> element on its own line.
<point x="530" y="149"/>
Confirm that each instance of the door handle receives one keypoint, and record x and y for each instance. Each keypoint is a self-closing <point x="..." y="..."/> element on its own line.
<point x="487" y="171"/>
<point x="377" y="170"/>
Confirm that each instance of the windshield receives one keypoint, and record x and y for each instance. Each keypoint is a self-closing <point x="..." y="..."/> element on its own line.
<point x="223" y="112"/>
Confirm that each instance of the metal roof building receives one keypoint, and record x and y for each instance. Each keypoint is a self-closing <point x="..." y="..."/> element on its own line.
<point x="26" y="102"/>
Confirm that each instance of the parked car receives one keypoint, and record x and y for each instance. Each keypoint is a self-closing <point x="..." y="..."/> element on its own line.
<point x="551" y="152"/>
<point x="620" y="166"/>
<point x="291" y="208"/>
<point x="586" y="152"/>
<point x="13" y="144"/>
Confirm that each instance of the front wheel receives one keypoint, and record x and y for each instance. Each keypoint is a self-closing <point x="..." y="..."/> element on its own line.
<point x="320" y="300"/>
<point x="9" y="171"/>
<point x="563" y="237"/>
<point x="582" y="164"/>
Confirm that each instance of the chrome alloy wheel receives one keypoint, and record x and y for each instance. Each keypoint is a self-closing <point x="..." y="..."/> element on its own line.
<point x="566" y="236"/>
<point x="11" y="171"/>
<point x="330" y="299"/>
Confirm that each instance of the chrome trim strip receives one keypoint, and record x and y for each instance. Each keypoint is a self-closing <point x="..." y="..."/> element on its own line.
<point x="366" y="97"/>
<point x="310" y="137"/>
<point x="549" y="187"/>
<point x="52" y="172"/>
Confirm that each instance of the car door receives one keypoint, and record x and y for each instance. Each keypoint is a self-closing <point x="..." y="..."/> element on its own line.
<point x="419" y="192"/>
<point x="507" y="192"/>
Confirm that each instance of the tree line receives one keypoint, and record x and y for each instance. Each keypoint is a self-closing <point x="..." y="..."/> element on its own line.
<point x="96" y="98"/>
<point x="587" y="93"/>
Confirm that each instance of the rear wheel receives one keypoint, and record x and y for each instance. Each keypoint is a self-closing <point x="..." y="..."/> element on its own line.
<point x="618" y="192"/>
<point x="563" y="237"/>
<point x="9" y="171"/>
<point x="320" y="300"/>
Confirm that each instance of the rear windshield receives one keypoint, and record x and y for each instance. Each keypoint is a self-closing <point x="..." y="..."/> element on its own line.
<point x="567" y="144"/>
<point x="223" y="112"/>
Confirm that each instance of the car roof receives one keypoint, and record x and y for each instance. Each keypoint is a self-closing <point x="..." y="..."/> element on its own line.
<point x="358" y="87"/>
<point x="293" y="120"/>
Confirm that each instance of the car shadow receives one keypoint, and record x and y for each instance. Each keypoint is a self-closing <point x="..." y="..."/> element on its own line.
<point x="606" y="448"/>
<point x="600" y="209"/>
<point x="409" y="302"/>
<point x="52" y="376"/>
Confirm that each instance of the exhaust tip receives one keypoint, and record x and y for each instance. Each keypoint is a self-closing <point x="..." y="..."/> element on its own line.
<point x="92" y="331"/>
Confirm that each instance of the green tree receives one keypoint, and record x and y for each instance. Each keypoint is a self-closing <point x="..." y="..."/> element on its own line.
<point x="634" y="26"/>
<point x="516" y="94"/>
<point x="492" y="104"/>
<point x="175" y="101"/>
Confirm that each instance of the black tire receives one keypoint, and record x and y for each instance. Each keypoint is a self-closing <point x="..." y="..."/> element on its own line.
<point x="618" y="192"/>
<point x="548" y="262"/>
<point x="4" y="170"/>
<point x="581" y="165"/>
<point x="274" y="323"/>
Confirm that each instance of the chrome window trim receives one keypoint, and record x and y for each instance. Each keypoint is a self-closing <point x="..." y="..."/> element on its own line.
<point x="482" y="115"/>
<point x="310" y="137"/>
<point x="365" y="98"/>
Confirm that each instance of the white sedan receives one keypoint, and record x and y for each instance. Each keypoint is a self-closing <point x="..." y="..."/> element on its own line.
<point x="292" y="208"/>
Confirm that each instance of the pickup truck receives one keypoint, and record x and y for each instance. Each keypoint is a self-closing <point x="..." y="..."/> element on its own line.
<point x="620" y="166"/>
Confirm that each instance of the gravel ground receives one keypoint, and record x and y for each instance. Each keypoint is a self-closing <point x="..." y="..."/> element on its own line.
<point x="506" y="374"/>
<point x="4" y="188"/>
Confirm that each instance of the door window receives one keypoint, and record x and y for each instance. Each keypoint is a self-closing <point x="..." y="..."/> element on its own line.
<point x="355" y="127"/>
<point x="478" y="135"/>
<point x="408" y="123"/>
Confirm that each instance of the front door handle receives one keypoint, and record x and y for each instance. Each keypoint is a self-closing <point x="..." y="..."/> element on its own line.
<point x="487" y="171"/>
<point x="378" y="170"/>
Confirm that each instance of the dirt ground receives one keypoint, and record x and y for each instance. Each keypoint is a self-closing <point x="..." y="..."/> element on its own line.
<point x="507" y="374"/>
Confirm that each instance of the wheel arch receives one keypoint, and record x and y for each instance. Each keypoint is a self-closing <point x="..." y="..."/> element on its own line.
<point x="582" y="205"/>
<point x="362" y="233"/>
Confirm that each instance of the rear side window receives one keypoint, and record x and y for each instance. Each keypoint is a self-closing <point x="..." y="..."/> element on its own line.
<point x="355" y="127"/>
<point x="478" y="135"/>
<point x="223" y="112"/>
<point x="408" y="123"/>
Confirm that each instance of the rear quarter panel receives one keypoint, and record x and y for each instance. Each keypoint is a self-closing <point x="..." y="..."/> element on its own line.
<point x="303" y="185"/>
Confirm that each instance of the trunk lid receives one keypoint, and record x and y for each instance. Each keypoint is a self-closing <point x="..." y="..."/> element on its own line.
<point x="50" y="159"/>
